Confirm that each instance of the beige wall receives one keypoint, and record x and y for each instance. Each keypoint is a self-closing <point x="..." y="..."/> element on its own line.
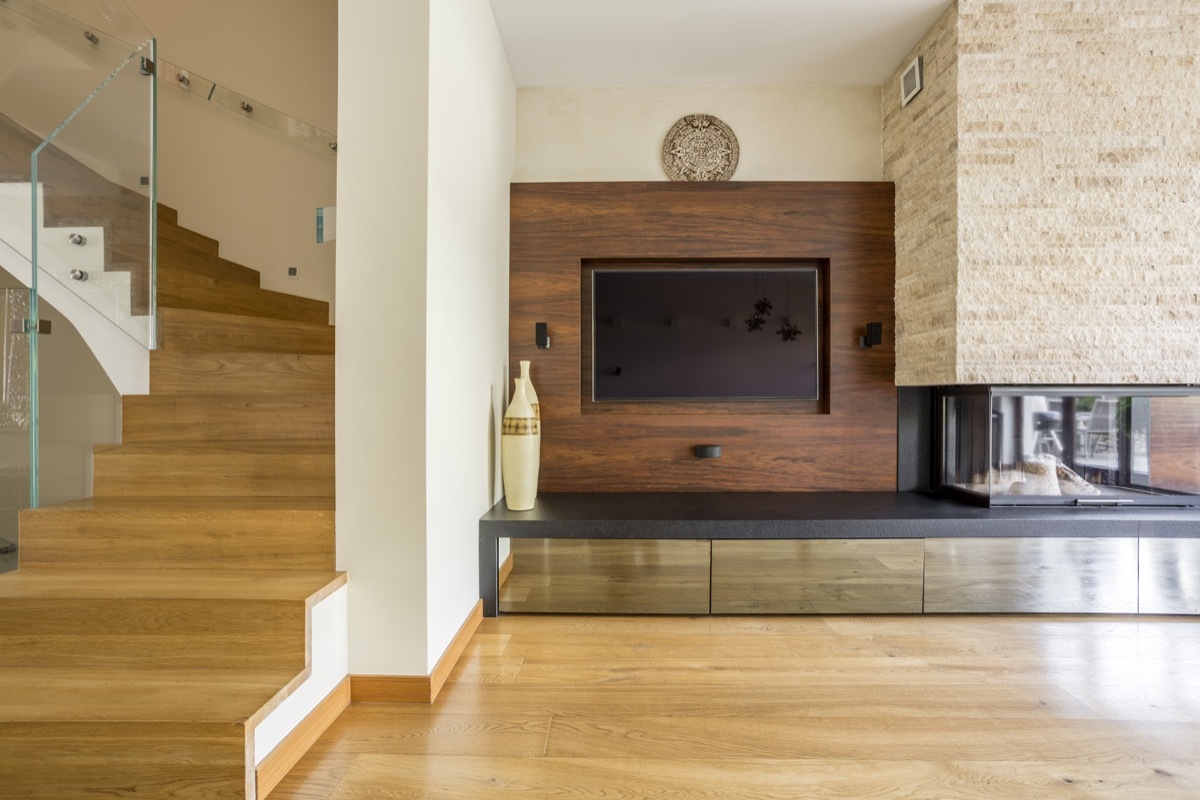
<point x="1078" y="202"/>
<point x="251" y="189"/>
<point x="920" y="145"/>
<point x="806" y="133"/>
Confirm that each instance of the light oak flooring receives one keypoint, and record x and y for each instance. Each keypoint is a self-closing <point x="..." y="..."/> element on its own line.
<point x="930" y="707"/>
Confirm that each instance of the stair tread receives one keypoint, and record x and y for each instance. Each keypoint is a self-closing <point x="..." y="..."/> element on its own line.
<point x="193" y="584"/>
<point x="211" y="331"/>
<point x="84" y="693"/>
<point x="183" y="288"/>
<point x="267" y="447"/>
<point x="195" y="374"/>
<point x="159" y="505"/>
<point x="223" y="317"/>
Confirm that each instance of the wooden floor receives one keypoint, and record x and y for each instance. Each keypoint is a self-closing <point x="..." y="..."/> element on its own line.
<point x="943" y="707"/>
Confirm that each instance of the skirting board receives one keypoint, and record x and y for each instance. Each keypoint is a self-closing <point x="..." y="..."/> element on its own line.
<point x="506" y="567"/>
<point x="280" y="761"/>
<point x="416" y="688"/>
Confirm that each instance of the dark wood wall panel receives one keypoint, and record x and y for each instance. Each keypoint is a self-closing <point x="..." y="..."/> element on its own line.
<point x="555" y="227"/>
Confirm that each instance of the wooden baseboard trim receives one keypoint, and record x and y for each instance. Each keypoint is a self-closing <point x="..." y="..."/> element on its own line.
<point x="505" y="570"/>
<point x="279" y="762"/>
<point x="416" y="688"/>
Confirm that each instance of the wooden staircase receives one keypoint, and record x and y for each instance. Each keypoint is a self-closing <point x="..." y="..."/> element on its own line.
<point x="149" y="628"/>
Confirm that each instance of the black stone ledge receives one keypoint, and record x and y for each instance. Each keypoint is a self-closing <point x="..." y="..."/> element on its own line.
<point x="808" y="515"/>
<point x="803" y="515"/>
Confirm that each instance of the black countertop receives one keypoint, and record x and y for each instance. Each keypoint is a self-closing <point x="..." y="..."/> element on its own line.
<point x="772" y="515"/>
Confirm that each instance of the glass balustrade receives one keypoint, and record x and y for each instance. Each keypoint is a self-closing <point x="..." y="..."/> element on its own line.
<point x="246" y="107"/>
<point x="77" y="194"/>
<point x="15" y="419"/>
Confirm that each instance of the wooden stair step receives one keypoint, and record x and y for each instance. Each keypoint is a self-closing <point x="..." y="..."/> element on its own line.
<point x="171" y="234"/>
<point x="184" y="289"/>
<point x="207" y="418"/>
<point x="91" y="619"/>
<point x="233" y="469"/>
<point x="279" y="374"/>
<point x="167" y="215"/>
<point x="151" y="694"/>
<point x="131" y="759"/>
<point x="310" y="585"/>
<point x="207" y="331"/>
<point x="177" y="258"/>
<point x="224" y="533"/>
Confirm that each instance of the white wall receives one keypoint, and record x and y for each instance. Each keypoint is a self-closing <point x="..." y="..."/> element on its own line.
<point x="250" y="188"/>
<point x="380" y="357"/>
<point x="791" y="133"/>
<point x="471" y="138"/>
<point x="423" y="256"/>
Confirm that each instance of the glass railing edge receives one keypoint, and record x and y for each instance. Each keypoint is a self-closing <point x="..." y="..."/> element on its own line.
<point x="104" y="41"/>
<point x="246" y="107"/>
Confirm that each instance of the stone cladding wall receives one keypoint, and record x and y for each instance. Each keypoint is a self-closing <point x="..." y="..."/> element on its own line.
<point x="1076" y="192"/>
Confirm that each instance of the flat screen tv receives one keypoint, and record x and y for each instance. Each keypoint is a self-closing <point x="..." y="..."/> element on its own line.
<point x="705" y="334"/>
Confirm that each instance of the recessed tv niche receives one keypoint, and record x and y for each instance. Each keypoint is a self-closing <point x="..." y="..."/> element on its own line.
<point x="749" y="333"/>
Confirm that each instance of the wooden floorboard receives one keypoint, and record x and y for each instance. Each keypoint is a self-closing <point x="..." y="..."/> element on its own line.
<point x="954" y="707"/>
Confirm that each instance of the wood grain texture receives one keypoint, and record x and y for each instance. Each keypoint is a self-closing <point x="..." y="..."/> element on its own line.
<point x="174" y="256"/>
<point x="818" y="576"/>
<point x="1174" y="431"/>
<point x="233" y="469"/>
<point x="151" y="628"/>
<point x="556" y="228"/>
<point x="185" y="289"/>
<point x="232" y="417"/>
<point x="1029" y="575"/>
<point x="607" y="576"/>
<point x="954" y="708"/>
<point x="207" y="533"/>
<point x="280" y="761"/>
<point x="278" y="374"/>
<point x="186" y="330"/>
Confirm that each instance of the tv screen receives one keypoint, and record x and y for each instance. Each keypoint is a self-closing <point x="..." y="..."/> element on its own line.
<point x="705" y="334"/>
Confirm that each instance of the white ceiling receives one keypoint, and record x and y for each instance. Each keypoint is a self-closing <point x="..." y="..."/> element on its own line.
<point x="710" y="42"/>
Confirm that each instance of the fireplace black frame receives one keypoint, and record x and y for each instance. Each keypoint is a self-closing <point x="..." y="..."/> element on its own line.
<point x="1124" y="491"/>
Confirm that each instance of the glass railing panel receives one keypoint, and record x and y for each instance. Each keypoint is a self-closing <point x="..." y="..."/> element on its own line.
<point x="112" y="24"/>
<point x="94" y="227"/>
<point x="15" y="420"/>
<point x="247" y="107"/>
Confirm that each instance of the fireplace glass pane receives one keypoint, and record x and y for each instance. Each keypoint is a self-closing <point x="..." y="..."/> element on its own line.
<point x="1071" y="445"/>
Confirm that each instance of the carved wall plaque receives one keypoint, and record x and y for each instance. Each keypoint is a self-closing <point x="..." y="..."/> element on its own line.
<point x="700" y="147"/>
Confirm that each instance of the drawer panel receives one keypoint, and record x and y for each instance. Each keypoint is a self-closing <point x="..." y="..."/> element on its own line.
<point x="817" y="576"/>
<point x="1027" y="575"/>
<point x="607" y="576"/>
<point x="1169" y="582"/>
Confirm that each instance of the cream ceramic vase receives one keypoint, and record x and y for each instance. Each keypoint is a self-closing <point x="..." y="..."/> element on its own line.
<point x="531" y="396"/>
<point x="520" y="451"/>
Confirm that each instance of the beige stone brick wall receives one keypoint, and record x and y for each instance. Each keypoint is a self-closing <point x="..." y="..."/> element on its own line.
<point x="919" y="149"/>
<point x="1076" y="193"/>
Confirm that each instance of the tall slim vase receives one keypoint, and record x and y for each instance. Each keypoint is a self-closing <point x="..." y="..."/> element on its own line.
<point x="520" y="451"/>
<point x="531" y="396"/>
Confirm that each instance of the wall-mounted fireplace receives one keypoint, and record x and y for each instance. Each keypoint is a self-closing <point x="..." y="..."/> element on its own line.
<point x="1071" y="445"/>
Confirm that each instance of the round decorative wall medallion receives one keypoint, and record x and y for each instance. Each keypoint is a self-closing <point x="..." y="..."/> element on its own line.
<point x="700" y="147"/>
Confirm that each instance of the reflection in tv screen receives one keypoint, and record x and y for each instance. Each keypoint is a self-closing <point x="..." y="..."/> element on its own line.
<point x="705" y="334"/>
